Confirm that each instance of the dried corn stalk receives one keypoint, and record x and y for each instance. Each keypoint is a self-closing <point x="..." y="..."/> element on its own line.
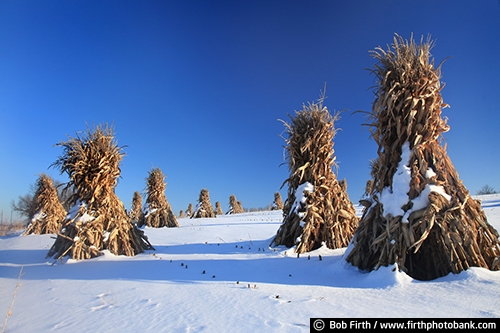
<point x="218" y="209"/>
<point x="97" y="220"/>
<point x="278" y="202"/>
<point x="204" y="206"/>
<point x="50" y="213"/>
<point x="189" y="210"/>
<point x="318" y="209"/>
<point x="418" y="213"/>
<point x="234" y="206"/>
<point x="135" y="212"/>
<point x="158" y="213"/>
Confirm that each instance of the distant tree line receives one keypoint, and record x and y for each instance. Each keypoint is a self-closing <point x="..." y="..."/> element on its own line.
<point x="486" y="189"/>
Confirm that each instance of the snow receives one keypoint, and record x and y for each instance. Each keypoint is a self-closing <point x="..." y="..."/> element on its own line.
<point x="40" y="215"/>
<point x="300" y="199"/>
<point x="218" y="275"/>
<point x="422" y="200"/>
<point x="73" y="212"/>
<point x="148" y="212"/>
<point x="395" y="197"/>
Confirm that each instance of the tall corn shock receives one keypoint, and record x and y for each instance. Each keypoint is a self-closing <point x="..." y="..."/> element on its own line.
<point x="317" y="209"/>
<point x="438" y="227"/>
<point x="50" y="213"/>
<point x="98" y="219"/>
<point x="158" y="212"/>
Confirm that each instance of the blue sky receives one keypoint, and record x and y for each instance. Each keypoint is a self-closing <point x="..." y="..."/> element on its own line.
<point x="197" y="88"/>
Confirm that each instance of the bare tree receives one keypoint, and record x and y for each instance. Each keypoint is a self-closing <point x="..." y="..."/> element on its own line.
<point x="486" y="189"/>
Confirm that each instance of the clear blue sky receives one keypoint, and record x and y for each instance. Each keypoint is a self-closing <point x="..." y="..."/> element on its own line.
<point x="196" y="88"/>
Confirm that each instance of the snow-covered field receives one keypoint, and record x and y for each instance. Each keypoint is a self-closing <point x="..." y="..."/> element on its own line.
<point x="219" y="275"/>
